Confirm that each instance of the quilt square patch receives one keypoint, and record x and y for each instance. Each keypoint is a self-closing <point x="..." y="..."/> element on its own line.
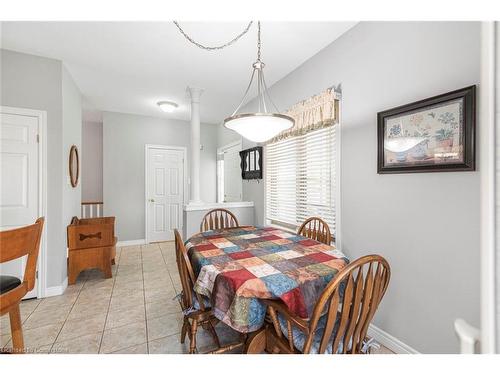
<point x="250" y="262"/>
<point x="259" y="252"/>
<point x="284" y="234"/>
<point x="212" y="253"/>
<point x="205" y="246"/>
<point x="279" y="283"/>
<point x="273" y="248"/>
<point x="284" y="265"/>
<point x="270" y="237"/>
<point x="303" y="261"/>
<point x="320" y="269"/>
<point x="224" y="244"/>
<point x="321" y="247"/>
<point x="282" y="241"/>
<point x="229" y="266"/>
<point x="241" y="255"/>
<point x="336" y="263"/>
<point x="308" y="242"/>
<point x="231" y="249"/>
<point x="238" y="277"/>
<point x="290" y="254"/>
<point x="301" y="275"/>
<point x="248" y="236"/>
<point x="263" y="270"/>
<point x="220" y="259"/>
<point x="273" y="257"/>
<point x="320" y="257"/>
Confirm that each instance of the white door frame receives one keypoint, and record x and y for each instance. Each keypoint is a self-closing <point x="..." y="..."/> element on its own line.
<point x="146" y="177"/>
<point x="220" y="150"/>
<point x="42" y="188"/>
<point x="487" y="169"/>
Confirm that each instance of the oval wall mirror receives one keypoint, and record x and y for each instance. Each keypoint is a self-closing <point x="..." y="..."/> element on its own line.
<point x="74" y="166"/>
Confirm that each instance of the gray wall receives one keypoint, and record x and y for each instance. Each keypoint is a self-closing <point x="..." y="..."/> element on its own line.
<point x="34" y="82"/>
<point x="427" y="224"/>
<point x="124" y="137"/>
<point x="72" y="135"/>
<point x="91" y="161"/>
<point x="192" y="219"/>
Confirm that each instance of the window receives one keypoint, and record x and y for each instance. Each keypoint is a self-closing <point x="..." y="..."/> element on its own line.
<point x="301" y="178"/>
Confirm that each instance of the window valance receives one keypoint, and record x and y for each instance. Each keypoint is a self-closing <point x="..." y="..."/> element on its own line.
<point x="316" y="112"/>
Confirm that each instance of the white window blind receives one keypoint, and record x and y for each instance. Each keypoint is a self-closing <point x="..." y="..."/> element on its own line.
<point x="301" y="178"/>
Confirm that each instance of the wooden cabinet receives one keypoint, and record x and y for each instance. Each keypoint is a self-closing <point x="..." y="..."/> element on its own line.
<point x="91" y="244"/>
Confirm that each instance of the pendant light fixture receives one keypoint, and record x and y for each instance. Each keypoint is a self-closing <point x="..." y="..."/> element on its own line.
<point x="262" y="125"/>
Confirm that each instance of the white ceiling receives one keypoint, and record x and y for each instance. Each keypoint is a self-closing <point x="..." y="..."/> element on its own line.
<point x="129" y="66"/>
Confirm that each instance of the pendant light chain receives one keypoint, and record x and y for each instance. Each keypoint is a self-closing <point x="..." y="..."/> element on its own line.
<point x="258" y="41"/>
<point x="257" y="126"/>
<point x="212" y="48"/>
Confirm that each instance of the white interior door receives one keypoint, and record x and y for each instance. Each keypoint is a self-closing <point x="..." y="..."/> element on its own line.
<point x="164" y="192"/>
<point x="19" y="182"/>
<point x="232" y="174"/>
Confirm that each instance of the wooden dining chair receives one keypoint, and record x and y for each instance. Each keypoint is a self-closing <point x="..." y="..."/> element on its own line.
<point x="196" y="308"/>
<point x="316" y="229"/>
<point x="341" y="317"/>
<point x="218" y="218"/>
<point x="15" y="244"/>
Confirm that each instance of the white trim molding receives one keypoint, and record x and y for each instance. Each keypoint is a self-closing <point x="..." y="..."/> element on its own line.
<point x="210" y="206"/>
<point x="56" y="290"/>
<point x="389" y="341"/>
<point x="131" y="243"/>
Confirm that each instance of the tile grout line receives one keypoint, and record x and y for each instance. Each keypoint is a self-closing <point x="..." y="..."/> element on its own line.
<point x="166" y="265"/>
<point x="35" y="309"/>
<point x="69" y="312"/>
<point x="117" y="264"/>
<point x="24" y="321"/>
<point x="144" y="296"/>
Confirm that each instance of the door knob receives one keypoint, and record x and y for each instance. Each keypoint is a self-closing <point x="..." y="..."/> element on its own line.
<point x="152" y="200"/>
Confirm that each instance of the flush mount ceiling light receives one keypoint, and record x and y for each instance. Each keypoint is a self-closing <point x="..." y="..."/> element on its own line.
<point x="167" y="106"/>
<point x="263" y="124"/>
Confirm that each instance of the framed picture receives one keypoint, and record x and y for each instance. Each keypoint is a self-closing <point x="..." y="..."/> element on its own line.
<point x="251" y="163"/>
<point x="431" y="135"/>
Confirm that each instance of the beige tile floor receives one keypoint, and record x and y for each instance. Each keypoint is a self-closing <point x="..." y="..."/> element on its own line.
<point x="134" y="312"/>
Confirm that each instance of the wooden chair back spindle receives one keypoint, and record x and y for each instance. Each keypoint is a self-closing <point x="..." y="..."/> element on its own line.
<point x="347" y="306"/>
<point x="363" y="283"/>
<point x="218" y="218"/>
<point x="316" y="229"/>
<point x="186" y="275"/>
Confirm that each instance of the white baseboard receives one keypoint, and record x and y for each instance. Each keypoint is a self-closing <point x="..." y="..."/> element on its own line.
<point x="56" y="290"/>
<point x="389" y="341"/>
<point x="131" y="243"/>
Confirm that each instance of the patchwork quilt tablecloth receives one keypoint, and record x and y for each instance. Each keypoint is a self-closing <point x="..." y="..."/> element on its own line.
<point x="238" y="267"/>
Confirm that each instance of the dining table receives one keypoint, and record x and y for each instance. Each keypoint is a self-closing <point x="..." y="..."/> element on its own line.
<point x="237" y="268"/>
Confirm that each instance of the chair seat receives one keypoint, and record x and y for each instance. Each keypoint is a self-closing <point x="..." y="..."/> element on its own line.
<point x="8" y="283"/>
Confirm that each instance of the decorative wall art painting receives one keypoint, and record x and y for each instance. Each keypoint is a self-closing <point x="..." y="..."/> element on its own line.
<point x="431" y="135"/>
<point x="251" y="163"/>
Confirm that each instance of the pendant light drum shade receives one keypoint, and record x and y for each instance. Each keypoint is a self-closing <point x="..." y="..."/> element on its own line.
<point x="259" y="127"/>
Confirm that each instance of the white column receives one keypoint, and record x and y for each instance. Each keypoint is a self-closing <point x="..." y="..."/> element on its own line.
<point x="195" y="94"/>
